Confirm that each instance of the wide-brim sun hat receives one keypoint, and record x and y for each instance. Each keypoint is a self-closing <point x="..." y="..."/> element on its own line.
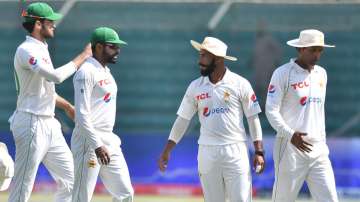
<point x="214" y="46"/>
<point x="309" y="38"/>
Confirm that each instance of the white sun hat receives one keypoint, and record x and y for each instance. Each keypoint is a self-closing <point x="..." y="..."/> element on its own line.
<point x="308" y="38"/>
<point x="6" y="167"/>
<point x="214" y="46"/>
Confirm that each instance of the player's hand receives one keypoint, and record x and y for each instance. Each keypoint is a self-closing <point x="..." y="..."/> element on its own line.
<point x="102" y="154"/>
<point x="70" y="111"/>
<point x="163" y="161"/>
<point x="298" y="141"/>
<point x="259" y="161"/>
<point x="87" y="50"/>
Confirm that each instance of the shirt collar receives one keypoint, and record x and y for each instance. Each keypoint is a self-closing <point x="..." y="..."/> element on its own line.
<point x="226" y="78"/>
<point x="300" y="69"/>
<point x="34" y="40"/>
<point x="98" y="65"/>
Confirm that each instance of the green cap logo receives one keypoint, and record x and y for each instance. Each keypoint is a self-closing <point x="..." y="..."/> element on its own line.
<point x="105" y="35"/>
<point x="40" y="10"/>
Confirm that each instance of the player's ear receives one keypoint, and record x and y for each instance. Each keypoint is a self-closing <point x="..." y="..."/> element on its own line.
<point x="98" y="47"/>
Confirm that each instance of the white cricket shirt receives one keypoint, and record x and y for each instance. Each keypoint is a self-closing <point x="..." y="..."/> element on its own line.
<point x="35" y="77"/>
<point x="295" y="101"/>
<point x="95" y="104"/>
<point x="220" y="108"/>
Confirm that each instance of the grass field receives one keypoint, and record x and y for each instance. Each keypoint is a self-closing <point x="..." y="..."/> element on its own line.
<point x="144" y="198"/>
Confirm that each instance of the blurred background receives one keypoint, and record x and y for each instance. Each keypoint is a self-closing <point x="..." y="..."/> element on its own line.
<point x="157" y="65"/>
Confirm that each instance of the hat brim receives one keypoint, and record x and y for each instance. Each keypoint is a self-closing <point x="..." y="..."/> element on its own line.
<point x="198" y="47"/>
<point x="117" y="42"/>
<point x="5" y="183"/>
<point x="54" y="17"/>
<point x="296" y="43"/>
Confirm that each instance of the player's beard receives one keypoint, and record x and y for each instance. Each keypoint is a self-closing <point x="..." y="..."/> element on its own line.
<point x="47" y="33"/>
<point x="208" y="68"/>
<point x="112" y="59"/>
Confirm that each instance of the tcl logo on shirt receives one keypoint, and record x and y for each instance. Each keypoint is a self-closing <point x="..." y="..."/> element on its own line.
<point x="219" y="110"/>
<point x="302" y="84"/>
<point x="104" y="82"/>
<point x="203" y="96"/>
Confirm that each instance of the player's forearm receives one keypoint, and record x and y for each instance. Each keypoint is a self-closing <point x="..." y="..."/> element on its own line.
<point x="278" y="123"/>
<point x="179" y="128"/>
<point x="58" y="75"/>
<point x="258" y="145"/>
<point x="63" y="103"/>
<point x="169" y="146"/>
<point x="255" y="127"/>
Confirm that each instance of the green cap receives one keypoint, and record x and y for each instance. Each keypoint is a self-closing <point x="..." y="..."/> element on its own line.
<point x="105" y="35"/>
<point x="40" y="10"/>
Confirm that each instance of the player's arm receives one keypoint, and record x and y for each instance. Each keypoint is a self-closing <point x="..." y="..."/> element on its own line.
<point x="65" y="105"/>
<point x="177" y="132"/>
<point x="256" y="136"/>
<point x="44" y="68"/>
<point x="274" y="100"/>
<point x="276" y="91"/>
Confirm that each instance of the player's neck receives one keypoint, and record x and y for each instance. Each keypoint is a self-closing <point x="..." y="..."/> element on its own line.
<point x="304" y="65"/>
<point x="38" y="36"/>
<point x="218" y="74"/>
<point x="100" y="60"/>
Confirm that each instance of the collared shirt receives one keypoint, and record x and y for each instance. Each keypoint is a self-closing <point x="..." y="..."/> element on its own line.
<point x="95" y="104"/>
<point x="35" y="77"/>
<point x="220" y="108"/>
<point x="295" y="101"/>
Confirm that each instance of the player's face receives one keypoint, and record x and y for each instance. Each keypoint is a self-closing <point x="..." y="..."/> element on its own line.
<point x="206" y="62"/>
<point x="311" y="55"/>
<point x="110" y="52"/>
<point x="47" y="29"/>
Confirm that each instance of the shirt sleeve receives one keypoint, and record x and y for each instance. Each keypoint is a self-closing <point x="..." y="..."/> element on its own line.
<point x="83" y="85"/>
<point x="248" y="99"/>
<point x="276" y="91"/>
<point x="40" y="65"/>
<point x="188" y="106"/>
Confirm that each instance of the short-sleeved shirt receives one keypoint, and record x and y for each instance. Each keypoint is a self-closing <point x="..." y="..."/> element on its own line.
<point x="36" y="95"/>
<point x="95" y="103"/>
<point x="296" y="100"/>
<point x="220" y="108"/>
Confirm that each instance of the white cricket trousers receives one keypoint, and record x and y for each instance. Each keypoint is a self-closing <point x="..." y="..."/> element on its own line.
<point x="115" y="176"/>
<point x="293" y="167"/>
<point x="39" y="139"/>
<point x="224" y="172"/>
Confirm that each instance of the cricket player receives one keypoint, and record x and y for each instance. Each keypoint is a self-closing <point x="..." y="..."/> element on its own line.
<point x="96" y="149"/>
<point x="37" y="134"/>
<point x="295" y="109"/>
<point x="220" y="98"/>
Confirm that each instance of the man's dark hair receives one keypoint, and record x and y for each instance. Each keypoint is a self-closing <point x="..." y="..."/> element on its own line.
<point x="29" y="26"/>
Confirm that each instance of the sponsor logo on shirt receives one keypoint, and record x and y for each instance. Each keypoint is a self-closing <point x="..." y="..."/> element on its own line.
<point x="302" y="84"/>
<point x="107" y="97"/>
<point x="219" y="110"/>
<point x="254" y="98"/>
<point x="271" y="89"/>
<point x="304" y="100"/>
<point x="226" y="96"/>
<point x="203" y="96"/>
<point x="91" y="163"/>
<point x="32" y="61"/>
<point x="104" y="82"/>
